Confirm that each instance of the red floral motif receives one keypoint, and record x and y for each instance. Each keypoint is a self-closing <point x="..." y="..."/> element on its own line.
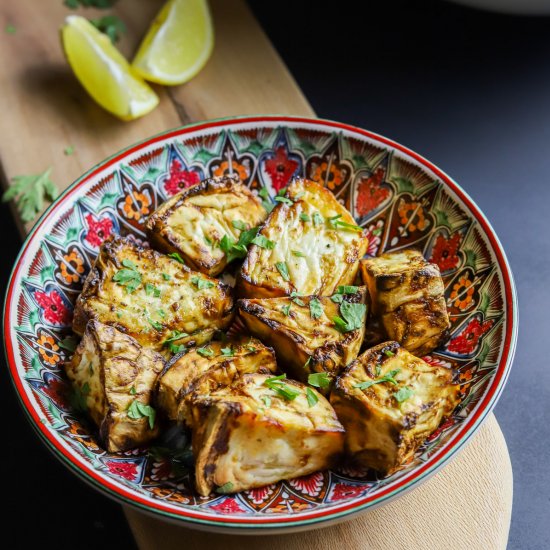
<point x="127" y="470"/>
<point x="179" y="178"/>
<point x="280" y="168"/>
<point x="98" y="230"/>
<point x="445" y="251"/>
<point x="467" y="340"/>
<point x="55" y="310"/>
<point x="343" y="491"/>
<point x="227" y="506"/>
<point x="259" y="495"/>
<point x="370" y="194"/>
<point x="447" y="424"/>
<point x="310" y="485"/>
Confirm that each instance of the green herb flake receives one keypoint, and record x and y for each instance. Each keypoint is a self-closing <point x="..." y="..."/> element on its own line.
<point x="299" y="195"/>
<point x="282" y="268"/>
<point x="263" y="242"/>
<point x="205" y="351"/>
<point x="155" y="324"/>
<point x="298" y="254"/>
<point x="283" y="200"/>
<point x="225" y="488"/>
<point x="295" y="297"/>
<point x="319" y="380"/>
<point x="403" y="394"/>
<point x="239" y="224"/>
<point x="176" y="348"/>
<point x="315" y="308"/>
<point x="277" y="385"/>
<point x="201" y="283"/>
<point x="305" y="217"/>
<point x="133" y="390"/>
<point x="166" y="277"/>
<point x="129" y="277"/>
<point x="68" y="151"/>
<point x="68" y="343"/>
<point x="339" y="224"/>
<point x="228" y="352"/>
<point x="317" y="219"/>
<point x="386" y="378"/>
<point x="266" y="400"/>
<point x="152" y="290"/>
<point x="177" y="257"/>
<point x="352" y="317"/>
<point x="138" y="410"/>
<point x="312" y="398"/>
<point x="286" y="309"/>
<point x="347" y="289"/>
<point x="176" y="335"/>
<point x="29" y="193"/>
<point x="111" y="25"/>
<point x="389" y="353"/>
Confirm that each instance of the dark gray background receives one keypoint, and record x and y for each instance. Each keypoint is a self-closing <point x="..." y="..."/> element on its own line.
<point x="468" y="90"/>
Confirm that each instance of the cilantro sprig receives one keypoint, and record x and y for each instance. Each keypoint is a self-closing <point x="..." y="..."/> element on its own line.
<point x="386" y="378"/>
<point x="129" y="277"/>
<point x="277" y="384"/>
<point x="138" y="410"/>
<point x="236" y="250"/>
<point x="352" y="317"/>
<point x="315" y="308"/>
<point x="111" y="25"/>
<point x="319" y="380"/>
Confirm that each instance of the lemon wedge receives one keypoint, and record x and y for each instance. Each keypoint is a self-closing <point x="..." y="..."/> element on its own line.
<point x="178" y="43"/>
<point x="104" y="72"/>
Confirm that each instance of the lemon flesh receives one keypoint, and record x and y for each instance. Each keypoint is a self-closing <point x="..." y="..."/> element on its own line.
<point x="178" y="43"/>
<point x="104" y="72"/>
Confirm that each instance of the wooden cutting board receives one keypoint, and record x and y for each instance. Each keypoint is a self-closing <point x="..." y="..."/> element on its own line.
<point x="45" y="110"/>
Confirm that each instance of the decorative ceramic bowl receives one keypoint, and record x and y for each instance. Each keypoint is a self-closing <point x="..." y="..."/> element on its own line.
<point x="399" y="197"/>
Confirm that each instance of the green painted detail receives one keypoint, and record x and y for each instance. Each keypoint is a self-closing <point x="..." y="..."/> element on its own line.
<point x="46" y="273"/>
<point x="404" y="185"/>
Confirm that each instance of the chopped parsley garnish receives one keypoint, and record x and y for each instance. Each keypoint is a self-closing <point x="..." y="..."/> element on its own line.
<point x="69" y="343"/>
<point x="337" y="223"/>
<point x="388" y="353"/>
<point x="225" y="488"/>
<point x="177" y="257"/>
<point x="317" y="219"/>
<point x="267" y="400"/>
<point x="286" y="309"/>
<point x="284" y="200"/>
<point x="282" y="268"/>
<point x="319" y="380"/>
<point x="129" y="277"/>
<point x="228" y="352"/>
<point x="338" y="297"/>
<point x="235" y="250"/>
<point x="166" y="277"/>
<point x="312" y="398"/>
<point x="315" y="308"/>
<point x="176" y="335"/>
<point x="281" y="388"/>
<point x="239" y="224"/>
<point x="266" y="203"/>
<point x="201" y="283"/>
<point x="298" y="254"/>
<point x="155" y="324"/>
<point x="152" y="290"/>
<point x="295" y="297"/>
<point x="176" y="348"/>
<point x="133" y="390"/>
<point x="403" y="394"/>
<point x="263" y="242"/>
<point x="305" y="217"/>
<point x="386" y="378"/>
<point x="138" y="410"/>
<point x="205" y="351"/>
<point x="352" y="317"/>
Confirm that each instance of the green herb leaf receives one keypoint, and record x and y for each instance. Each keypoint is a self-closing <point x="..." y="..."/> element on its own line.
<point x="389" y="353"/>
<point x="347" y="289"/>
<point x="129" y="278"/>
<point x="176" y="335"/>
<point x="339" y="224"/>
<point x="138" y="410"/>
<point x="155" y="324"/>
<point x="225" y="488"/>
<point x="69" y="343"/>
<point x="228" y="352"/>
<point x="267" y="400"/>
<point x="177" y="257"/>
<point x="295" y="297"/>
<point x="111" y="25"/>
<point x="353" y="316"/>
<point x="298" y="254"/>
<point x="30" y="192"/>
<point x="262" y="242"/>
<point x="201" y="283"/>
<point x="315" y="308"/>
<point x="319" y="380"/>
<point x="305" y="217"/>
<point x="166" y="277"/>
<point x="266" y="202"/>
<point x="205" y="351"/>
<point x="286" y="309"/>
<point x="152" y="290"/>
<point x="282" y="268"/>
<point x="403" y="394"/>
<point x="337" y="298"/>
<point x="68" y="151"/>
<point x="299" y="195"/>
<point x="129" y="264"/>
<point x="386" y="378"/>
<point x="281" y="388"/>
<point x="176" y="348"/>
<point x="312" y="398"/>
<point x="132" y="390"/>
<point x="239" y="224"/>
<point x="317" y="219"/>
<point x="284" y="200"/>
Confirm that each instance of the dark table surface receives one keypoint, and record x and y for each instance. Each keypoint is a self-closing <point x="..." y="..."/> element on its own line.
<point x="468" y="90"/>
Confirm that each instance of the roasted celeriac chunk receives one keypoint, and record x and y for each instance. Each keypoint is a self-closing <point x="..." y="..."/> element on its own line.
<point x="261" y="430"/>
<point x="304" y="333"/>
<point x="308" y="244"/>
<point x="389" y="402"/>
<point x="194" y="222"/>
<point x="113" y="378"/>
<point x="152" y="297"/>
<point x="203" y="370"/>
<point x="407" y="296"/>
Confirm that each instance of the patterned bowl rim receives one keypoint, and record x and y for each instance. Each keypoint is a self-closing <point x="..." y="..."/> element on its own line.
<point x="321" y="517"/>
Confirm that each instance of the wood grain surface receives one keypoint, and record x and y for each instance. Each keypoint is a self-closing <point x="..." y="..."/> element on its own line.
<point x="468" y="504"/>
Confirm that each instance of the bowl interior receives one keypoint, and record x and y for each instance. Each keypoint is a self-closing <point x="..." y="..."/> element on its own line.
<point x="401" y="199"/>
